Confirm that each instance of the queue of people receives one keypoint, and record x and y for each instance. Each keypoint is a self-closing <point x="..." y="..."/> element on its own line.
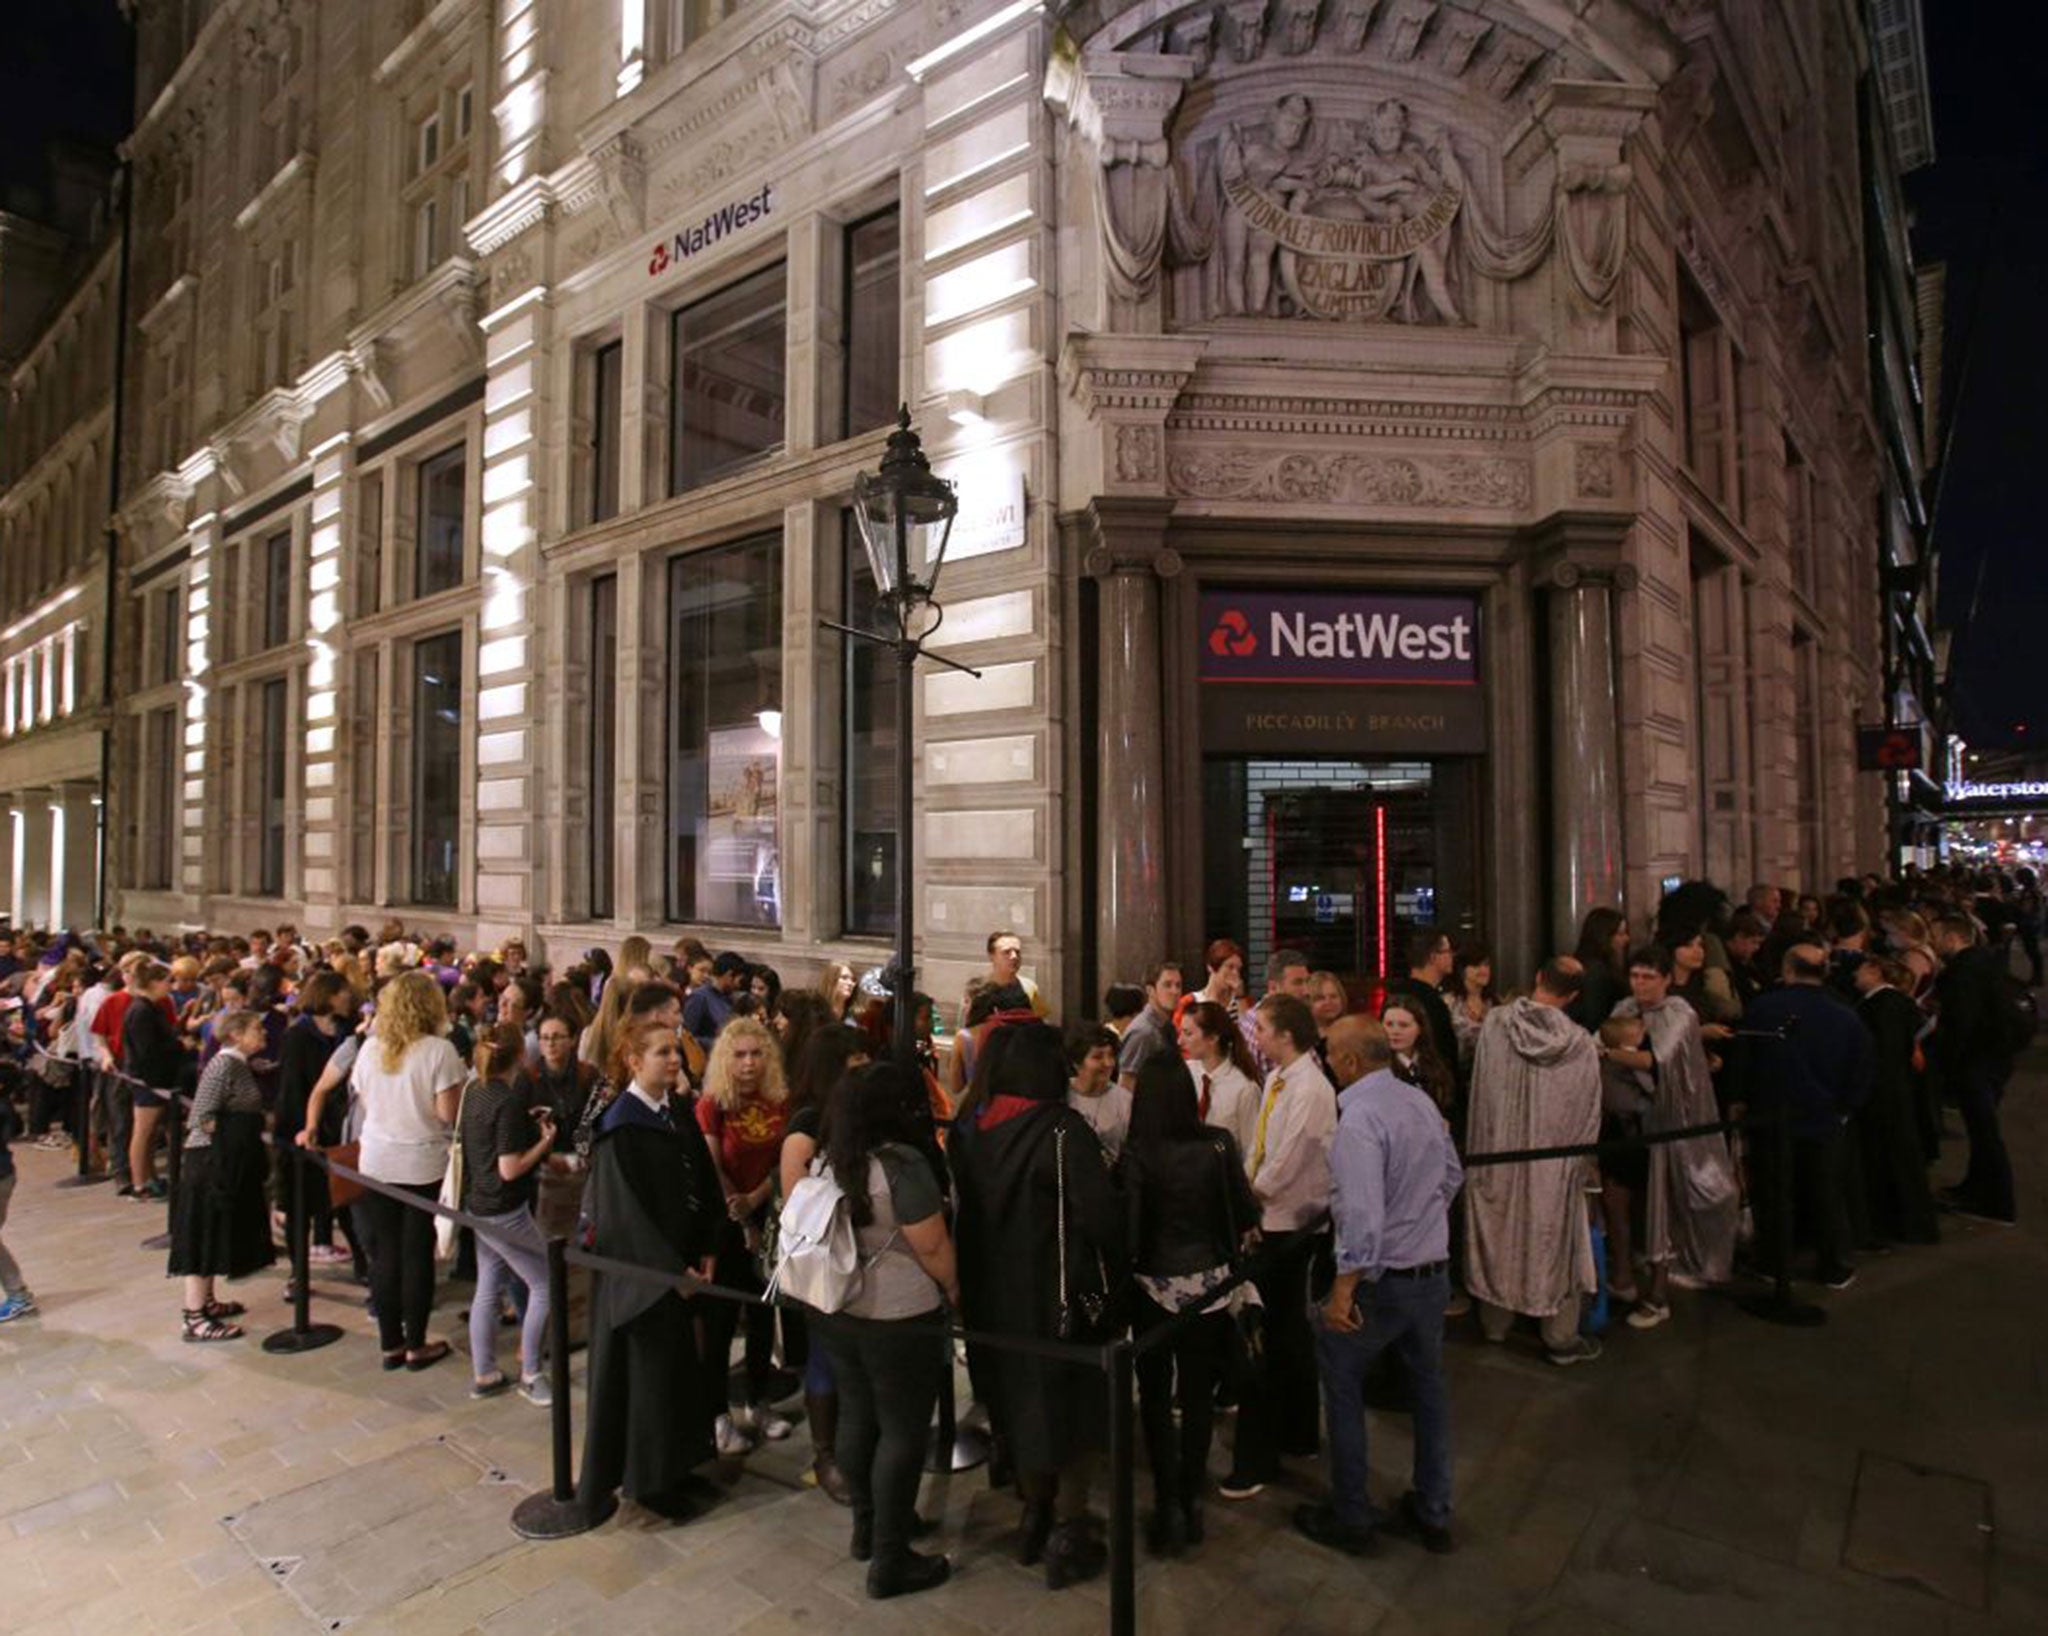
<point x="1282" y="1180"/>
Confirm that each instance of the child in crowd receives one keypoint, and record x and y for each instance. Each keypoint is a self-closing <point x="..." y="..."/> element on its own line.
<point x="1625" y="1068"/>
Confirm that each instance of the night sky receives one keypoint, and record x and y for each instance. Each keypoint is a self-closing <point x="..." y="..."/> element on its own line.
<point x="1979" y="209"/>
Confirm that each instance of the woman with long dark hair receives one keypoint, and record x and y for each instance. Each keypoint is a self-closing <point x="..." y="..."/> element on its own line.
<point x="1031" y="1178"/>
<point x="1415" y="1053"/>
<point x="1472" y="996"/>
<point x="882" y="1342"/>
<point x="1221" y="1070"/>
<point x="1603" y="952"/>
<point x="826" y="1062"/>
<point x="1189" y="1208"/>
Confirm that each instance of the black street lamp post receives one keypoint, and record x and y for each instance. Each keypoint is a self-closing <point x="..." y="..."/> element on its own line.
<point x="905" y="515"/>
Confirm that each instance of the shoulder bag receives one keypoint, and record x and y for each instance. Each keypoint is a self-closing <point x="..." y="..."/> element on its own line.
<point x="1084" y="1315"/>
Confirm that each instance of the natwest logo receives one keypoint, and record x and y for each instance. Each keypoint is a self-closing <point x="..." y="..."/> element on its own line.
<point x="1339" y="638"/>
<point x="725" y="220"/>
<point x="1233" y="635"/>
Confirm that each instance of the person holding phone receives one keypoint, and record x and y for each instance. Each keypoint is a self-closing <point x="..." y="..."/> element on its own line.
<point x="504" y="1145"/>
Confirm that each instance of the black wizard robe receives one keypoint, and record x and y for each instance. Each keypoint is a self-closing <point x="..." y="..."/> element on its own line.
<point x="654" y="1201"/>
<point x="1887" y="1132"/>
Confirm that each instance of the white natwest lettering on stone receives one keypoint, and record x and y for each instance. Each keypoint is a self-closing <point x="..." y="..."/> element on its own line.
<point x="1371" y="636"/>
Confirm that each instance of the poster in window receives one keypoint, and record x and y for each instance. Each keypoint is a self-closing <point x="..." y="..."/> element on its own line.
<point x="739" y="870"/>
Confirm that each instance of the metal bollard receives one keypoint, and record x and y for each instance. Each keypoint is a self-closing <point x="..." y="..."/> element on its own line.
<point x="174" y="1138"/>
<point x="1123" y="1555"/>
<point x="556" y="1513"/>
<point x="304" y="1335"/>
<point x="81" y="1092"/>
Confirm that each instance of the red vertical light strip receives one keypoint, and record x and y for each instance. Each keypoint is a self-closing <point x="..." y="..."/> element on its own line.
<point x="1379" y="881"/>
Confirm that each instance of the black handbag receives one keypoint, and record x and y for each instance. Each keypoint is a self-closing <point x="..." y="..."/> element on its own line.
<point x="1247" y="1318"/>
<point x="1084" y="1315"/>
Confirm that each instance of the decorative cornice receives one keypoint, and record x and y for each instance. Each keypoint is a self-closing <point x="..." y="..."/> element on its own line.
<point x="438" y="24"/>
<point x="296" y="172"/>
<point x="1129" y="372"/>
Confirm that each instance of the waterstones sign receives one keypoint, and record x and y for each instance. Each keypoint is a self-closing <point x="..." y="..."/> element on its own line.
<point x="734" y="216"/>
<point x="1357" y="673"/>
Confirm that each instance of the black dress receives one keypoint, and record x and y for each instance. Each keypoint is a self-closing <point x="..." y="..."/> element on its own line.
<point x="653" y="1200"/>
<point x="1006" y="1180"/>
<point x="220" y="1219"/>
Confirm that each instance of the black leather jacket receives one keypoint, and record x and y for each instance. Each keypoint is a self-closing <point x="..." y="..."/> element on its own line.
<point x="1189" y="1203"/>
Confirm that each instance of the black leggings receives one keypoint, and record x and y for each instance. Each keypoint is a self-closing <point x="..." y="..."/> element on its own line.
<point x="735" y="1269"/>
<point x="889" y="1375"/>
<point x="401" y="1245"/>
<point x="1185" y="1370"/>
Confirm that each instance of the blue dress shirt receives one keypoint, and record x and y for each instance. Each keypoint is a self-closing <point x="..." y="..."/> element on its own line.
<point x="1393" y="1175"/>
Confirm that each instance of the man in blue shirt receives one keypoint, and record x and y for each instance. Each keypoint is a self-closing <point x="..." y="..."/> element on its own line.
<point x="1393" y="1175"/>
<point x="709" y="1007"/>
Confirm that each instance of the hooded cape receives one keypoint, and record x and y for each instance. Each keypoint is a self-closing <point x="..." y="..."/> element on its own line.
<point x="1535" y="1083"/>
<point x="1695" y="1201"/>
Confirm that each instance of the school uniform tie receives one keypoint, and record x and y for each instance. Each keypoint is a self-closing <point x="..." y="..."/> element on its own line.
<point x="1265" y="1113"/>
<point x="1205" y="1099"/>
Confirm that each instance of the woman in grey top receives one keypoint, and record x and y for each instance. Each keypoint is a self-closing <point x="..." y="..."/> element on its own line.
<point x="885" y="1343"/>
<point x="220" y="1223"/>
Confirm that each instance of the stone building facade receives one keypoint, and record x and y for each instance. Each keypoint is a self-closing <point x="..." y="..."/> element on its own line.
<point x="1414" y="461"/>
<point x="59" y="273"/>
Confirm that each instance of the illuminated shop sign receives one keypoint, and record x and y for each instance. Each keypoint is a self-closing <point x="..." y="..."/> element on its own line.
<point x="1362" y="640"/>
<point x="727" y="219"/>
<point x="2024" y="790"/>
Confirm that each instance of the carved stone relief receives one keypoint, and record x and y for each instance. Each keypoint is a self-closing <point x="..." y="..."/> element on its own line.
<point x="1417" y="481"/>
<point x="1137" y="454"/>
<point x="1594" y="476"/>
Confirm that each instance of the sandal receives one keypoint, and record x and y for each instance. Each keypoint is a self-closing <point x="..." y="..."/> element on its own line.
<point x="225" y="1309"/>
<point x="425" y="1357"/>
<point x="201" y="1326"/>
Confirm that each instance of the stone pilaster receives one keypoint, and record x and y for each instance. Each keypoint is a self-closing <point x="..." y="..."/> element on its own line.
<point x="32" y="873"/>
<point x="206" y="789"/>
<point x="74" y="854"/>
<point x="328" y="525"/>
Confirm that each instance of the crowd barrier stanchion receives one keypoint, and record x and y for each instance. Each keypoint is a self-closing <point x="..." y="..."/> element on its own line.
<point x="304" y="1335"/>
<point x="556" y="1513"/>
<point x="1778" y="1307"/>
<point x="1123" y="1556"/>
<point x="954" y="1448"/>
<point x="173" y="1158"/>
<point x="81" y="1114"/>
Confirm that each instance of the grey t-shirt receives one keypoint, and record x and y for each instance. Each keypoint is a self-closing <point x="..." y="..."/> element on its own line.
<point x="901" y="1189"/>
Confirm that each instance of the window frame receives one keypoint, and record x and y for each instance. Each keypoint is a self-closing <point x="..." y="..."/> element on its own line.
<point x="848" y="285"/>
<point x="679" y="483"/>
<point x="417" y="863"/>
<point x="422" y="476"/>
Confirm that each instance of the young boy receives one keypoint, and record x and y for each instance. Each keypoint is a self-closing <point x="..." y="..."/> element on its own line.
<point x="1625" y="1069"/>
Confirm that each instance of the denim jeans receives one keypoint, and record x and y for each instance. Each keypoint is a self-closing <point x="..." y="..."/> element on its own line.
<point x="508" y="1246"/>
<point x="1406" y="1314"/>
<point x="889" y="1375"/>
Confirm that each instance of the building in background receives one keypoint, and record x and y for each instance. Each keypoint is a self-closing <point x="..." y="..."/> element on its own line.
<point x="1416" y="465"/>
<point x="59" y="270"/>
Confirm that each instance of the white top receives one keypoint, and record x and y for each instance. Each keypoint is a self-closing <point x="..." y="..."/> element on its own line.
<point x="1233" y="1101"/>
<point x="1293" y="1181"/>
<point x="89" y="1044"/>
<point x="1108" y="1115"/>
<point x="403" y="1139"/>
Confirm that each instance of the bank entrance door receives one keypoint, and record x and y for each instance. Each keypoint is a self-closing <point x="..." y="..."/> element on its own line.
<point x="1339" y="859"/>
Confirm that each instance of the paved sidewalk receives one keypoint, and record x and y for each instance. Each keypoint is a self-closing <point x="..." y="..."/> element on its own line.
<point x="1886" y="1473"/>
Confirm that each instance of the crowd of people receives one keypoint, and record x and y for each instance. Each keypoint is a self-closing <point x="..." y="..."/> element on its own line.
<point x="1299" y="1188"/>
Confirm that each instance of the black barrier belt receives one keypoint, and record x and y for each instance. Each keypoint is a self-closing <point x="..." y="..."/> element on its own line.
<point x="1620" y="1144"/>
<point x="689" y="1284"/>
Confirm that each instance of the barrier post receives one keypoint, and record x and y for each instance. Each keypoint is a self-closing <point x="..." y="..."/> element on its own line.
<point x="174" y="1147"/>
<point x="304" y="1335"/>
<point x="1779" y="1307"/>
<point x="556" y="1513"/>
<point x="81" y="1095"/>
<point x="1123" y="1557"/>
<point x="954" y="1447"/>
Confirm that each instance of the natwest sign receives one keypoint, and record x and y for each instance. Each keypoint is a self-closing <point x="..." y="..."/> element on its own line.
<point x="727" y="219"/>
<point x="1362" y="640"/>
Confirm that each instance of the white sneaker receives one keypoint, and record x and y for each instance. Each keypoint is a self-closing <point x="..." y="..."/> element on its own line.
<point x="729" y="1440"/>
<point x="758" y="1420"/>
<point x="1648" y="1315"/>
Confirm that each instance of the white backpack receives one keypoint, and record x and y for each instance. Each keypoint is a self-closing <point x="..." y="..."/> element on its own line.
<point x="818" y="1260"/>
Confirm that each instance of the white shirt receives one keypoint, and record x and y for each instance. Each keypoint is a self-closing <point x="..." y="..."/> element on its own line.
<point x="1233" y="1101"/>
<point x="404" y="1139"/>
<point x="1108" y="1115"/>
<point x="90" y="1045"/>
<point x="1293" y="1181"/>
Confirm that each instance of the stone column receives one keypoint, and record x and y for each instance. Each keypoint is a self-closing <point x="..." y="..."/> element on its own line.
<point x="32" y="860"/>
<point x="1128" y="560"/>
<point x="1585" y="773"/>
<point x="78" y="855"/>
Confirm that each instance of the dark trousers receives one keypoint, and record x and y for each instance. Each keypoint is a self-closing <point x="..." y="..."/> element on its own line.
<point x="1278" y="1412"/>
<point x="1183" y="1371"/>
<point x="401" y="1245"/>
<point x="736" y="1270"/>
<point x="889" y="1376"/>
<point x="1987" y="1182"/>
<point x="1819" y="1209"/>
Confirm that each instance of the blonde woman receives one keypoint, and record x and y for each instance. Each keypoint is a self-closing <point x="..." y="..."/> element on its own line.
<point x="600" y="1039"/>
<point x="838" y="984"/>
<point x="743" y="1113"/>
<point x="408" y="1083"/>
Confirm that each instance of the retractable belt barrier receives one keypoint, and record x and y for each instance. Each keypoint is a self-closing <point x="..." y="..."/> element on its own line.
<point x="557" y="1513"/>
